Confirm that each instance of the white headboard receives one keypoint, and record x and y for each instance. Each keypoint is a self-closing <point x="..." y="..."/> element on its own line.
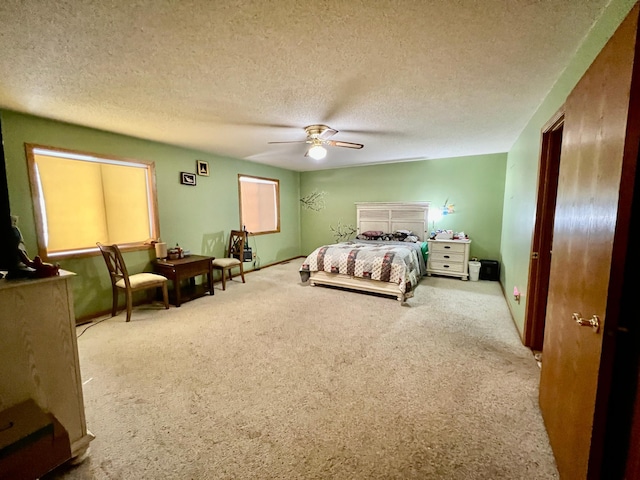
<point x="389" y="217"/>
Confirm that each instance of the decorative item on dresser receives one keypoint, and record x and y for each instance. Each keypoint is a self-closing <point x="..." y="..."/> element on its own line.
<point x="449" y="257"/>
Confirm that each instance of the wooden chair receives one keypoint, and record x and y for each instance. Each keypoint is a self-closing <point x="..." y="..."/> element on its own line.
<point x="234" y="256"/>
<point x="121" y="280"/>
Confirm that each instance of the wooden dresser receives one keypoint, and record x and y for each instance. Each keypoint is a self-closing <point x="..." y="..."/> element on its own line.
<point x="39" y="352"/>
<point x="449" y="257"/>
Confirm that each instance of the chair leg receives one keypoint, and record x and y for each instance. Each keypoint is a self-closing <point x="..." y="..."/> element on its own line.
<point x="114" y="302"/>
<point x="129" y="304"/>
<point x="242" y="272"/>
<point x="165" y="295"/>
<point x="223" y="280"/>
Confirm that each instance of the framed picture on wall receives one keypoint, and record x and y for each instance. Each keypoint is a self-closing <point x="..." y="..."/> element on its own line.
<point x="202" y="168"/>
<point x="187" y="178"/>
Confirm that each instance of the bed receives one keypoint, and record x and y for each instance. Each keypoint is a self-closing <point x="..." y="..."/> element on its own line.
<point x="388" y="265"/>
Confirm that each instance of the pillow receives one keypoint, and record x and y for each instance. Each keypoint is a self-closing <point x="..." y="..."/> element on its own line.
<point x="375" y="235"/>
<point x="411" y="238"/>
<point x="401" y="235"/>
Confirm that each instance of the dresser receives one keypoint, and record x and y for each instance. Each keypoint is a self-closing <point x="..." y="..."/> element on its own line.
<point x="449" y="257"/>
<point x="39" y="353"/>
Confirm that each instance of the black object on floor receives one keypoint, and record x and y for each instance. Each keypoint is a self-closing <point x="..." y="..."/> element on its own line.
<point x="489" y="270"/>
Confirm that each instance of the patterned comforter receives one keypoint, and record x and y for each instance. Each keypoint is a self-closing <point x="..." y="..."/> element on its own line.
<point x="401" y="263"/>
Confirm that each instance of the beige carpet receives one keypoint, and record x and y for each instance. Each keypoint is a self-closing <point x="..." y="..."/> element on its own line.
<point x="274" y="379"/>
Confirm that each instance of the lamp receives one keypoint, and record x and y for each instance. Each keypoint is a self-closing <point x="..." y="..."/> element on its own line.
<point x="317" y="151"/>
<point x="435" y="216"/>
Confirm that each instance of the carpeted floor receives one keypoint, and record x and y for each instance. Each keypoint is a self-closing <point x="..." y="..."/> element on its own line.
<point x="274" y="379"/>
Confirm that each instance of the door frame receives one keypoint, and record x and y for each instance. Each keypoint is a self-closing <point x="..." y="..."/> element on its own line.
<point x="540" y="259"/>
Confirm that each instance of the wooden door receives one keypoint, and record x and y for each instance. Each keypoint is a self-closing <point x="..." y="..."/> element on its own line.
<point x="591" y="232"/>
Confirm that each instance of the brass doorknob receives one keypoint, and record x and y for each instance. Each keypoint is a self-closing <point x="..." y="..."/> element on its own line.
<point x="593" y="322"/>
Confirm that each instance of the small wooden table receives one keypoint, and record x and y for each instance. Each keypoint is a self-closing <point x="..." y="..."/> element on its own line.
<point x="186" y="268"/>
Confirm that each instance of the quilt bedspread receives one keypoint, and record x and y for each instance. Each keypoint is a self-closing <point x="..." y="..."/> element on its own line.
<point x="394" y="263"/>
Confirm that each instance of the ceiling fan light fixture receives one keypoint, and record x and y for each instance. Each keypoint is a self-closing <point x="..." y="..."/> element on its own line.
<point x="317" y="136"/>
<point x="317" y="152"/>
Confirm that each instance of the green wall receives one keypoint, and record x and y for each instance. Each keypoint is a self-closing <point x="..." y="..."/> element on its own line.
<point x="523" y="162"/>
<point x="475" y="185"/>
<point x="198" y="218"/>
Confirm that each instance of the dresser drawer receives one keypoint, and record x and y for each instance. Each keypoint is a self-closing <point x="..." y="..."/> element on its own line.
<point x="447" y="247"/>
<point x="447" y="257"/>
<point x="447" y="267"/>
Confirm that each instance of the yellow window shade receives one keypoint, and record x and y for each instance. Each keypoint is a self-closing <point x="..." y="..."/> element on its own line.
<point x="259" y="206"/>
<point x="74" y="203"/>
<point x="126" y="203"/>
<point x="83" y="199"/>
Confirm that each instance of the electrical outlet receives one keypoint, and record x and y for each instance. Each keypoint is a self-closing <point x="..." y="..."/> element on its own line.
<point x="254" y="255"/>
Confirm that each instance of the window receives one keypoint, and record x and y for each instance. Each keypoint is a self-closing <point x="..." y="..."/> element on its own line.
<point x="81" y="199"/>
<point x="259" y="204"/>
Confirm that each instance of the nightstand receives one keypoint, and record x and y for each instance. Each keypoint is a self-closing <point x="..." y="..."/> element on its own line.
<point x="449" y="257"/>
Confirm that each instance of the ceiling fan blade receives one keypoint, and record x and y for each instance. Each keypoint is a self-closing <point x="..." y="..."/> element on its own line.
<point x="295" y="141"/>
<point x="335" y="143"/>
<point x="329" y="132"/>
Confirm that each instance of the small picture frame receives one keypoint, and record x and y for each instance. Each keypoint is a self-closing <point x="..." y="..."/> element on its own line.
<point x="202" y="168"/>
<point x="187" y="178"/>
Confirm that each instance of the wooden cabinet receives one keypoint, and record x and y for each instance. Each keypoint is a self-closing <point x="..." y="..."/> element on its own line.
<point x="449" y="257"/>
<point x="186" y="269"/>
<point x="39" y="352"/>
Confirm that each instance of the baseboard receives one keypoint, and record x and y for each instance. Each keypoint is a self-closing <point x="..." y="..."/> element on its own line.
<point x="281" y="262"/>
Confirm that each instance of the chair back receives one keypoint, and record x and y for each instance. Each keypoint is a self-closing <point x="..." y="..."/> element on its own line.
<point x="115" y="263"/>
<point x="236" y="244"/>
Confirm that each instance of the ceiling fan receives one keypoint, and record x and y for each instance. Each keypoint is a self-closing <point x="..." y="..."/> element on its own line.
<point x="317" y="137"/>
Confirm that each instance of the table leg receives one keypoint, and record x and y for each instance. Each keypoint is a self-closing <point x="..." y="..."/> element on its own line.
<point x="210" y="279"/>
<point x="176" y="291"/>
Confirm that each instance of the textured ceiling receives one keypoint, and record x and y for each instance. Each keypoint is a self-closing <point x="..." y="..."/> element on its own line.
<point x="409" y="79"/>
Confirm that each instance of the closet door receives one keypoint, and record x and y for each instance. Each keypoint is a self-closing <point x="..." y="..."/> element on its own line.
<point x="590" y="239"/>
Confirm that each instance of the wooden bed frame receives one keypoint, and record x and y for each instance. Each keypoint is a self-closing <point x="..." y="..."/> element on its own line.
<point x="387" y="217"/>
